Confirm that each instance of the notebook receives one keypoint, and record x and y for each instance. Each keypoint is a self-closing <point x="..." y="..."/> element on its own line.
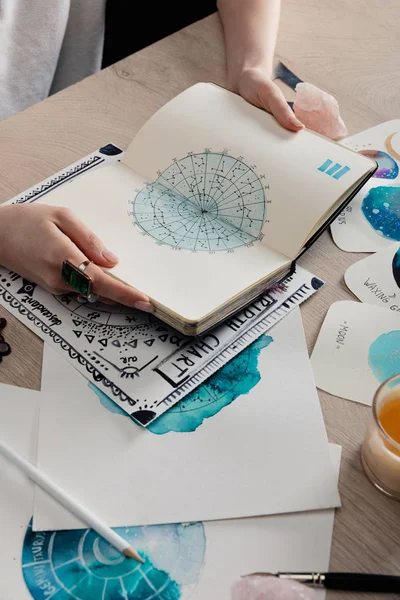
<point x="213" y="203"/>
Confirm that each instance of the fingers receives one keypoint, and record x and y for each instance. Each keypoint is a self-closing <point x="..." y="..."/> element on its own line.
<point x="116" y="291"/>
<point x="104" y="300"/>
<point x="91" y="246"/>
<point x="109" y="289"/>
<point x="273" y="100"/>
<point x="103" y="284"/>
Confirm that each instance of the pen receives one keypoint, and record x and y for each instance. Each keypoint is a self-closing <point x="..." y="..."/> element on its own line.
<point x="357" y="582"/>
<point x="70" y="503"/>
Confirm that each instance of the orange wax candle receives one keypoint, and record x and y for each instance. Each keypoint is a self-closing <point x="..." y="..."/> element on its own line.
<point x="380" y="452"/>
<point x="389" y="417"/>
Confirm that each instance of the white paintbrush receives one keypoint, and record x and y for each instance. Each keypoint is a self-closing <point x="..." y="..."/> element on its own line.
<point x="70" y="503"/>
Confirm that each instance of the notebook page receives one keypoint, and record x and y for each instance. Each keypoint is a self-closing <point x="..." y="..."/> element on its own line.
<point x="191" y="284"/>
<point x="243" y="156"/>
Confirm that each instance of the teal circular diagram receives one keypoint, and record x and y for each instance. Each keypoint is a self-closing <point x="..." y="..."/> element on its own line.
<point x="203" y="202"/>
<point x="80" y="565"/>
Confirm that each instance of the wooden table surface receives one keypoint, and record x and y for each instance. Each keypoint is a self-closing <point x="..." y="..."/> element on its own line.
<point x="349" y="48"/>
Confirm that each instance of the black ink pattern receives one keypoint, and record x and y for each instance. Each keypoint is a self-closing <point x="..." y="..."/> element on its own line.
<point x="27" y="288"/>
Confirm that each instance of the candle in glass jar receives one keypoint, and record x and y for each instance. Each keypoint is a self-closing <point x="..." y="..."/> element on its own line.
<point x="381" y="449"/>
<point x="389" y="417"/>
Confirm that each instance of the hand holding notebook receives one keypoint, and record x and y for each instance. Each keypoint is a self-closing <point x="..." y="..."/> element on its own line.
<point x="212" y="203"/>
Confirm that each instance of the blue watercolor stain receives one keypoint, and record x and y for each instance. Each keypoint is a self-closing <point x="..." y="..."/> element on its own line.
<point x="381" y="208"/>
<point x="387" y="167"/>
<point x="107" y="402"/>
<point x="384" y="356"/>
<point x="236" y="378"/>
<point x="79" y="565"/>
<point x="396" y="267"/>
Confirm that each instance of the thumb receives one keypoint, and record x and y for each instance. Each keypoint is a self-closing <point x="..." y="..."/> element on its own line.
<point x="275" y="103"/>
<point x="91" y="246"/>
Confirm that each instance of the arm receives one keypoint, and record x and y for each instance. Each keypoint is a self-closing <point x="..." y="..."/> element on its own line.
<point x="250" y="29"/>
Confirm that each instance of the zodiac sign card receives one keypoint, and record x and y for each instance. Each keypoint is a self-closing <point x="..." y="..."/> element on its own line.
<point x="357" y="349"/>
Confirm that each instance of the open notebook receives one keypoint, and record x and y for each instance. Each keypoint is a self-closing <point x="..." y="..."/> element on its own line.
<point x="212" y="203"/>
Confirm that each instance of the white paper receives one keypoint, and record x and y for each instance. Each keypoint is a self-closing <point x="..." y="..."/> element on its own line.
<point x="371" y="222"/>
<point x="265" y="452"/>
<point x="18" y="428"/>
<point x="356" y="350"/>
<point x="376" y="279"/>
<point x="299" y="541"/>
<point x="289" y="542"/>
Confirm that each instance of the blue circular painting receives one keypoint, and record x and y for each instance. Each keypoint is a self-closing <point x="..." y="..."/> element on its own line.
<point x="80" y="565"/>
<point x="387" y="166"/>
<point x="204" y="202"/>
<point x="384" y="355"/>
<point x="381" y="208"/>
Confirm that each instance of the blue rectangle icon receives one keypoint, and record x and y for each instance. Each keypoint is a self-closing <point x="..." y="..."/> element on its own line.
<point x="326" y="164"/>
<point x="340" y="173"/>
<point x="333" y="169"/>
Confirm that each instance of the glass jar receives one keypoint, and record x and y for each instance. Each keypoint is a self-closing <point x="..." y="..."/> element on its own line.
<point x="380" y="452"/>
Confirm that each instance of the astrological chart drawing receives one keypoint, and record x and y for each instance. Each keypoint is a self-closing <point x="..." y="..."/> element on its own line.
<point x="79" y="565"/>
<point x="141" y="363"/>
<point x="205" y="202"/>
<point x="117" y="347"/>
<point x="237" y="378"/>
<point x="126" y="332"/>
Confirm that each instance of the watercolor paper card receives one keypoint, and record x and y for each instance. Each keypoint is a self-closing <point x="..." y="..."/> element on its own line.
<point x="357" y="349"/>
<point x="18" y="429"/>
<point x="371" y="221"/>
<point x="250" y="441"/>
<point x="376" y="279"/>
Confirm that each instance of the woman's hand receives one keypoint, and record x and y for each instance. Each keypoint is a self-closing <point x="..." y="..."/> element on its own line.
<point x="254" y="85"/>
<point x="35" y="239"/>
<point x="250" y="30"/>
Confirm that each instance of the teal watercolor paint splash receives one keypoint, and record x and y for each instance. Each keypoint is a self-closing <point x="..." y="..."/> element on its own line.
<point x="107" y="402"/>
<point x="79" y="565"/>
<point x="384" y="356"/>
<point x="381" y="208"/>
<point x="236" y="378"/>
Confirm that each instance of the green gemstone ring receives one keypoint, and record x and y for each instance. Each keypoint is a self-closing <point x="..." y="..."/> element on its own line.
<point x="76" y="277"/>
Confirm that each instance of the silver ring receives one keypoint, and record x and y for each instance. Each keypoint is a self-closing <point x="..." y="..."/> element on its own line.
<point x="92" y="297"/>
<point x="84" y="265"/>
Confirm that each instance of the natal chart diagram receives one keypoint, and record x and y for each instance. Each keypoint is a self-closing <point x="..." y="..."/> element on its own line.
<point x="78" y="565"/>
<point x="207" y="202"/>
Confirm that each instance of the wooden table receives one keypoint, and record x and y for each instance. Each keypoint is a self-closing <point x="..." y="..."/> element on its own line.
<point x="348" y="48"/>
